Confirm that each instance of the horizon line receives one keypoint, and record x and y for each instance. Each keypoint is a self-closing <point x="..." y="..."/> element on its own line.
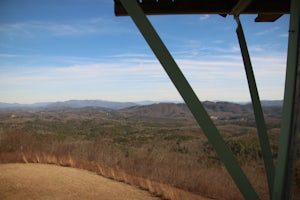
<point x="137" y="101"/>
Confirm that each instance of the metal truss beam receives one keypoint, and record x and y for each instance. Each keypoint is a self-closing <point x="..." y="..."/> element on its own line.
<point x="190" y="98"/>
<point x="289" y="116"/>
<point x="240" y="7"/>
<point x="258" y="112"/>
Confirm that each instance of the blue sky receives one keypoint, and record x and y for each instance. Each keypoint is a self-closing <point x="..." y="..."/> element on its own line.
<point x="64" y="49"/>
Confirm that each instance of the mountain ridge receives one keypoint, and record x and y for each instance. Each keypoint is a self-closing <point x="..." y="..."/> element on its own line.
<point x="71" y="104"/>
<point x="220" y="112"/>
<point x="121" y="105"/>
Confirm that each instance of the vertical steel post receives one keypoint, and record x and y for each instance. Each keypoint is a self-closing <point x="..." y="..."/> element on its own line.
<point x="190" y="98"/>
<point x="258" y="112"/>
<point x="281" y="182"/>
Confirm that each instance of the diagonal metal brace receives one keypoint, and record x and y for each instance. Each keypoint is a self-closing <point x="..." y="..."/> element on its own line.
<point x="190" y="98"/>
<point x="258" y="112"/>
<point x="282" y="180"/>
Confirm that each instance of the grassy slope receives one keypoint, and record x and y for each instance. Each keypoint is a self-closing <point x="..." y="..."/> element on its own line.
<point x="37" y="181"/>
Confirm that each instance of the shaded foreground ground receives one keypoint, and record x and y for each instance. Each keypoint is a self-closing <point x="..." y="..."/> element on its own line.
<point x="41" y="181"/>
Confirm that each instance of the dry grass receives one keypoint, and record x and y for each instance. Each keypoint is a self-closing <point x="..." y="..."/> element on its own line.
<point x="158" y="189"/>
<point x="162" y="176"/>
<point x="42" y="181"/>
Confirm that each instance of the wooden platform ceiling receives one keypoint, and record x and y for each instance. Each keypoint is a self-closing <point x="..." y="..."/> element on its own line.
<point x="266" y="10"/>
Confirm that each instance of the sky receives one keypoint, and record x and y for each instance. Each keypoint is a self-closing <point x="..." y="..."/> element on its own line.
<point x="64" y="49"/>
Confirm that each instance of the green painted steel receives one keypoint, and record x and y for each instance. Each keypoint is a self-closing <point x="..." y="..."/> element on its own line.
<point x="190" y="98"/>
<point x="286" y="135"/>
<point x="258" y="112"/>
<point x="240" y="7"/>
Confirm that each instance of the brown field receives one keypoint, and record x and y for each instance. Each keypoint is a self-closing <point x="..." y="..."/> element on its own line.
<point x="40" y="181"/>
<point x="157" y="148"/>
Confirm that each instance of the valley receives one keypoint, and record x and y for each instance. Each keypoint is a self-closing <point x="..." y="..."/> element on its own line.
<point x="157" y="147"/>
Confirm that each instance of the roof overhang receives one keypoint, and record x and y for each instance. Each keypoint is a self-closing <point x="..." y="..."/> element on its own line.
<point x="267" y="10"/>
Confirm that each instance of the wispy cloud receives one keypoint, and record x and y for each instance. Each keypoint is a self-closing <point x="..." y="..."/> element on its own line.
<point x="269" y="31"/>
<point x="6" y="55"/>
<point x="284" y="35"/>
<point x="204" y="17"/>
<point x="212" y="78"/>
<point x="194" y="50"/>
<point x="91" y="26"/>
<point x="218" y="41"/>
<point x="130" y="55"/>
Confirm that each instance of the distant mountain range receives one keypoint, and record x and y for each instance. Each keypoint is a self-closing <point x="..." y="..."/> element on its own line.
<point x="72" y="104"/>
<point x="221" y="112"/>
<point x="92" y="103"/>
<point x="272" y="102"/>
<point x="217" y="109"/>
<point x="114" y="105"/>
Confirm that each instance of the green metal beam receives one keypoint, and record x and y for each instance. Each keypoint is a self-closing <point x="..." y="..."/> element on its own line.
<point x="190" y="98"/>
<point x="240" y="7"/>
<point x="258" y="112"/>
<point x="281" y="182"/>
